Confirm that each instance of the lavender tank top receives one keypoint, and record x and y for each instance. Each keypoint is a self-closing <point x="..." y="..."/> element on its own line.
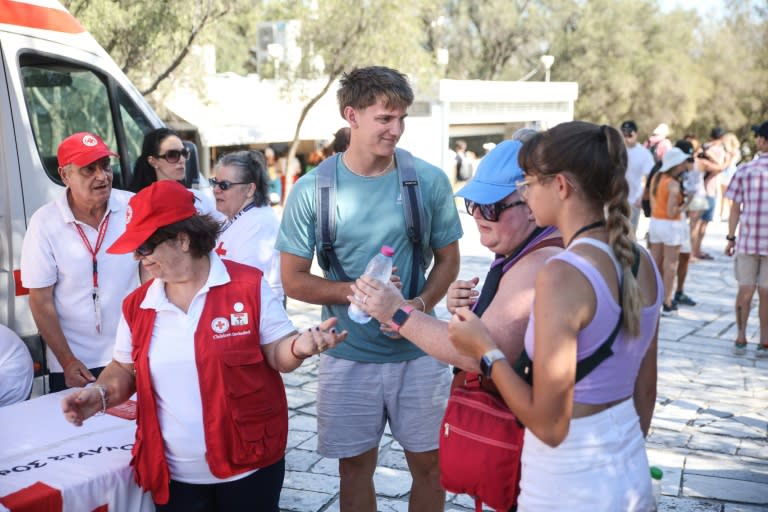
<point x="615" y="377"/>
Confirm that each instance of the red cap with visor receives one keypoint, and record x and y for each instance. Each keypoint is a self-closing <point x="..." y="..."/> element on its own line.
<point x="160" y="204"/>
<point x="82" y="149"/>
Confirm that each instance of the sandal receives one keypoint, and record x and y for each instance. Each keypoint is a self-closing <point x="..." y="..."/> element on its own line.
<point x="739" y="349"/>
<point x="705" y="256"/>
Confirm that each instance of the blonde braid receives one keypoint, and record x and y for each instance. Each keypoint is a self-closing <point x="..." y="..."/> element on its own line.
<point x="618" y="238"/>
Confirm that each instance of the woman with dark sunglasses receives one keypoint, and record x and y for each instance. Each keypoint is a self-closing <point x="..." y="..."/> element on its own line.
<point x="203" y="345"/>
<point x="241" y="188"/>
<point x="164" y="157"/>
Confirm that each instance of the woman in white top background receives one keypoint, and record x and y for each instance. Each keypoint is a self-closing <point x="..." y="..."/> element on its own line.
<point x="241" y="188"/>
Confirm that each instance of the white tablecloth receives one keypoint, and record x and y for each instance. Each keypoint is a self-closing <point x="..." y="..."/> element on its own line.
<point x="89" y="465"/>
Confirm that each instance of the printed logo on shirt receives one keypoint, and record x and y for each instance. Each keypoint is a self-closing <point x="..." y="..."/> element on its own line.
<point x="220" y="325"/>
<point x="238" y="319"/>
<point x="238" y="307"/>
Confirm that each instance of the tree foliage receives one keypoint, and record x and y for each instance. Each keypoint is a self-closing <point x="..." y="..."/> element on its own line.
<point x="149" y="40"/>
<point x="692" y="69"/>
<point x="356" y="34"/>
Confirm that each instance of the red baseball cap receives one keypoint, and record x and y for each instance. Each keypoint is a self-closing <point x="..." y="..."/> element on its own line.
<point x="160" y="204"/>
<point x="82" y="149"/>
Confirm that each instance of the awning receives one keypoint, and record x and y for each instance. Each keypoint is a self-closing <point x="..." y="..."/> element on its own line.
<point x="240" y="110"/>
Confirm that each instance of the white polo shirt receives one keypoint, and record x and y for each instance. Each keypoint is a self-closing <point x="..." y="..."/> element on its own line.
<point x="16" y="370"/>
<point x="639" y="165"/>
<point x="53" y="254"/>
<point x="174" y="369"/>
<point x="250" y="240"/>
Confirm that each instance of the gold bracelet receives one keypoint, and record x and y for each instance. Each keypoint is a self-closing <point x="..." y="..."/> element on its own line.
<point x="423" y="304"/>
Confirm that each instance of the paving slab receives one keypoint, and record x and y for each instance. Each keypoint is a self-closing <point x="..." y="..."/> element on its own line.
<point x="709" y="433"/>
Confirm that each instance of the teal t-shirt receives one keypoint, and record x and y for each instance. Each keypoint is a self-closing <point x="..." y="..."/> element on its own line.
<point x="369" y="214"/>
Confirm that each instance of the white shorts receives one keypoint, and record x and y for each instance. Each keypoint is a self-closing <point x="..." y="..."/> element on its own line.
<point x="667" y="232"/>
<point x="600" y="467"/>
<point x="355" y="401"/>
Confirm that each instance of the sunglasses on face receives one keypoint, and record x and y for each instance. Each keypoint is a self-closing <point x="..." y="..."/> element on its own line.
<point x="150" y="245"/>
<point x="490" y="212"/>
<point x="225" y="185"/>
<point x="172" y="156"/>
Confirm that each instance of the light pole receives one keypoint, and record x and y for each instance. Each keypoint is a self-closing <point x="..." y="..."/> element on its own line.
<point x="547" y="60"/>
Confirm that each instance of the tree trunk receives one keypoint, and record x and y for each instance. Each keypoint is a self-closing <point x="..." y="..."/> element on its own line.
<point x="289" y="172"/>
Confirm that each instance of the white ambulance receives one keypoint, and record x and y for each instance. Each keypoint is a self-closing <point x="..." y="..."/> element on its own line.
<point x="55" y="80"/>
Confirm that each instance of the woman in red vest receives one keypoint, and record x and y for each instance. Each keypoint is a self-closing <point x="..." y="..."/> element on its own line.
<point x="202" y="345"/>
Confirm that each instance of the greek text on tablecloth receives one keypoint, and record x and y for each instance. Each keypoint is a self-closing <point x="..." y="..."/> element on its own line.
<point x="39" y="463"/>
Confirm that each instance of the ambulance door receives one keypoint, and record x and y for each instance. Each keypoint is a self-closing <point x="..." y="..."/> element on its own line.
<point x="12" y="224"/>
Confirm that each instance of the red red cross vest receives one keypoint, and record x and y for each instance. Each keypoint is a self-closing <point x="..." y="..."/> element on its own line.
<point x="245" y="411"/>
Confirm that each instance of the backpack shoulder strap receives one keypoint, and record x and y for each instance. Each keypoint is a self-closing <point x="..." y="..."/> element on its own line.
<point x="325" y="216"/>
<point x="413" y="211"/>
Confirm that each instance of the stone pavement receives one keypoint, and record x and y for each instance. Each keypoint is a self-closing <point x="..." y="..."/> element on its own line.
<point x="710" y="427"/>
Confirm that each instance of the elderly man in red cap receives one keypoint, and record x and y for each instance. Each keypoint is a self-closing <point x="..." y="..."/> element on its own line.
<point x="75" y="287"/>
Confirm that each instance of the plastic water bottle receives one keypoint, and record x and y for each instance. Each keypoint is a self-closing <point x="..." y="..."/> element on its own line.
<point x="380" y="267"/>
<point x="656" y="475"/>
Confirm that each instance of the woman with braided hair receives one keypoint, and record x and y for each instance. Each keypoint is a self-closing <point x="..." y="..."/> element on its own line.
<point x="591" y="335"/>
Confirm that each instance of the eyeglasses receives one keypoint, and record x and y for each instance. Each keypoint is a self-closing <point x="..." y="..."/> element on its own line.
<point x="490" y="212"/>
<point x="172" y="156"/>
<point x="91" y="170"/>
<point x="522" y="185"/>
<point x="225" y="185"/>
<point x="150" y="245"/>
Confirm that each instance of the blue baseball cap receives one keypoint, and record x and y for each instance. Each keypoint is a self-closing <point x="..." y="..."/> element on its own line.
<point x="496" y="175"/>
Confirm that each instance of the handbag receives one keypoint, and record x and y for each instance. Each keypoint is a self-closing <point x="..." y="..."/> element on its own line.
<point x="481" y="442"/>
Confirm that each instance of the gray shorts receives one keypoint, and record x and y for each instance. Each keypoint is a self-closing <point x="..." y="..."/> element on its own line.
<point x="751" y="270"/>
<point x="355" y="401"/>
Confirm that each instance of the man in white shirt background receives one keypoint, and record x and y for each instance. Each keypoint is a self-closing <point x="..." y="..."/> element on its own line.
<point x="639" y="165"/>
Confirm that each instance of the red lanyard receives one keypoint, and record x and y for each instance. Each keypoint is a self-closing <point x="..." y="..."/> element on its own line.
<point x="94" y="251"/>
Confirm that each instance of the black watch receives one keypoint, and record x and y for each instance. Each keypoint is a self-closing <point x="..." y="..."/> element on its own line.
<point x="486" y="362"/>
<point x="730" y="238"/>
<point x="400" y="316"/>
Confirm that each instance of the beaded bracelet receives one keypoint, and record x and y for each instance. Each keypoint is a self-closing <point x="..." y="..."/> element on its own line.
<point x="423" y="304"/>
<point x="103" y="394"/>
<point x="293" y="350"/>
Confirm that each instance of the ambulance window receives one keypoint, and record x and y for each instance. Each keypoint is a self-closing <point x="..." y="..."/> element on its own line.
<point x="135" y="125"/>
<point x="62" y="100"/>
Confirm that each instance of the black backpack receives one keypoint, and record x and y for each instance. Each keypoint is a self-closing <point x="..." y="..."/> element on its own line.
<point x="325" y="225"/>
